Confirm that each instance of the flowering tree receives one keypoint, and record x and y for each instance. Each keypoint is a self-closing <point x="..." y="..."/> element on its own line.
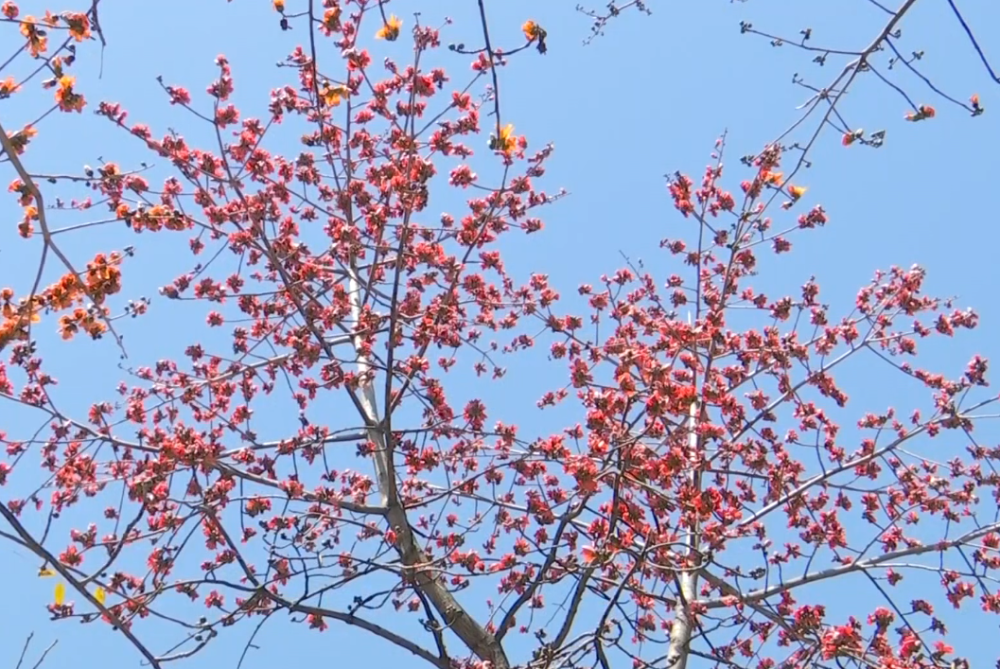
<point x="687" y="514"/>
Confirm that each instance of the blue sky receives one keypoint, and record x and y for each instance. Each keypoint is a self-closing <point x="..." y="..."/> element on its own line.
<point x="648" y="98"/>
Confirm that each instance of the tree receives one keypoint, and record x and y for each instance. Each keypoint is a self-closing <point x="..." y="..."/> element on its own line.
<point x="685" y="515"/>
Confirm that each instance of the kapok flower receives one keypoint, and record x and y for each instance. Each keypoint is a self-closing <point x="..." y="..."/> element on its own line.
<point x="852" y="136"/>
<point x="797" y="191"/>
<point x="772" y="178"/>
<point x="279" y="5"/>
<point x="21" y="138"/>
<point x="535" y="33"/>
<point x="66" y="98"/>
<point x="941" y="648"/>
<point x="79" y="25"/>
<point x="26" y="227"/>
<point x="390" y="29"/>
<point x="25" y="196"/>
<point x="37" y="43"/>
<point x="977" y="108"/>
<point x="923" y="112"/>
<point x="506" y="141"/>
<point x="8" y="87"/>
<point x="531" y="30"/>
<point x="331" y="19"/>
<point x="332" y="95"/>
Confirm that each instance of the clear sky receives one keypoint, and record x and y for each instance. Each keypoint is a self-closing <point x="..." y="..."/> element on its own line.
<point x="648" y="98"/>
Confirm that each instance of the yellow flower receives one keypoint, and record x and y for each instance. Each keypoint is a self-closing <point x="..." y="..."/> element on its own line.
<point x="797" y="191"/>
<point x="332" y="95"/>
<point x="506" y="140"/>
<point x="60" y="593"/>
<point x="390" y="30"/>
<point x="99" y="595"/>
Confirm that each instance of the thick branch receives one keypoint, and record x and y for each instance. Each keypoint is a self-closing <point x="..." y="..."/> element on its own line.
<point x="475" y="637"/>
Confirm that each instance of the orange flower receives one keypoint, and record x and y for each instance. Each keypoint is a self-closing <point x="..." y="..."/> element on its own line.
<point x="588" y="553"/>
<point x="797" y="191"/>
<point x="26" y="197"/>
<point x="67" y="328"/>
<point x="506" y="141"/>
<point x="923" y="112"/>
<point x="37" y="43"/>
<point x="977" y="108"/>
<point x="21" y="138"/>
<point x="531" y="30"/>
<point x="390" y="30"/>
<point x="26" y="314"/>
<point x="66" y="98"/>
<point x="279" y="5"/>
<point x="332" y="95"/>
<point x="8" y="87"/>
<point x="534" y="33"/>
<point x="26" y="228"/>
<point x="331" y="19"/>
<point x="79" y="25"/>
<point x="773" y="178"/>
